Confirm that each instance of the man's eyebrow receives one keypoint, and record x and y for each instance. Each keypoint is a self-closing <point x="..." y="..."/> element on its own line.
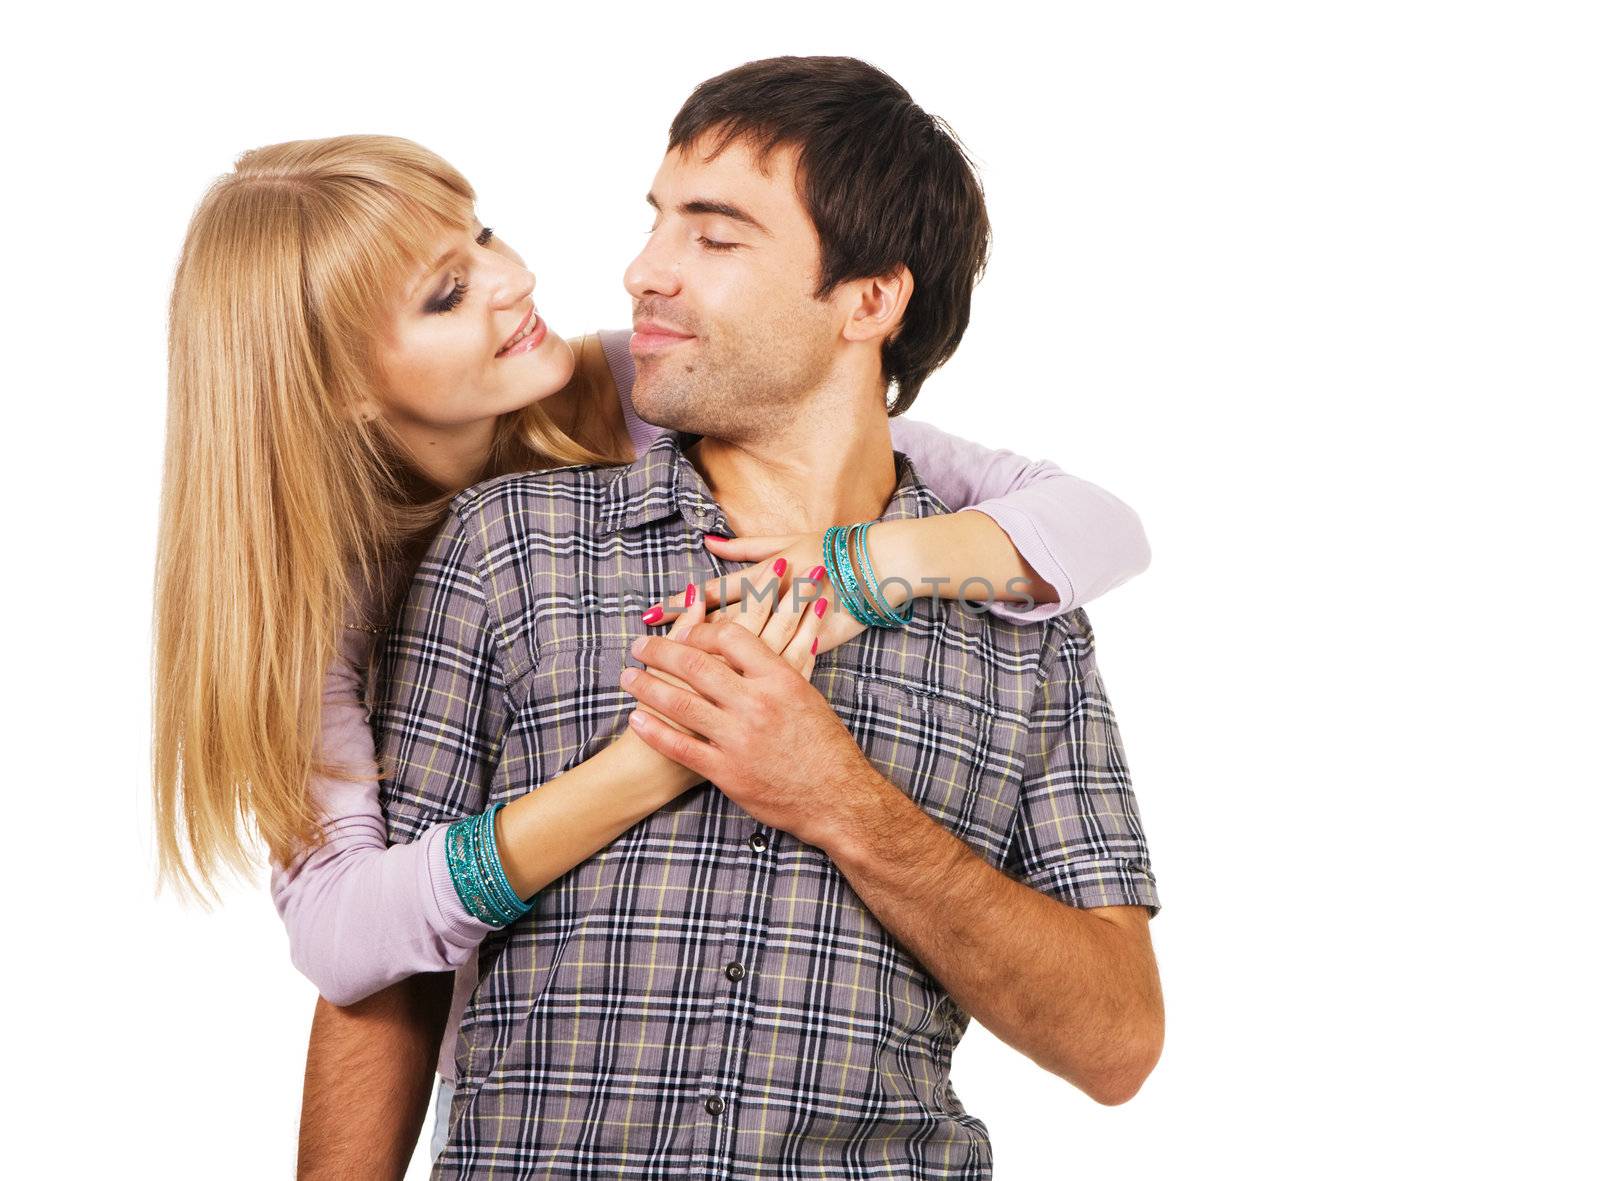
<point x="704" y="207"/>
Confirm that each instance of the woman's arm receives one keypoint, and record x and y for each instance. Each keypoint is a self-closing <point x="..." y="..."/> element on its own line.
<point x="1067" y="539"/>
<point x="1024" y="527"/>
<point x="362" y="914"/>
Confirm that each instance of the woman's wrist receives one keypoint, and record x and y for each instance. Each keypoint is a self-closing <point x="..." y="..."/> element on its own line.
<point x="652" y="772"/>
<point x="552" y="828"/>
<point x="957" y="555"/>
<point x="906" y="556"/>
<point x="477" y="872"/>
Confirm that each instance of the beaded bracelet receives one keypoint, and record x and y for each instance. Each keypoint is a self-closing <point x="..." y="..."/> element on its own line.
<point x="875" y="595"/>
<point x="476" y="872"/>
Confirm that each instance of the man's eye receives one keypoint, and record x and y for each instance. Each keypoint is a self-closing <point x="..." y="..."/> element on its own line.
<point x="709" y="244"/>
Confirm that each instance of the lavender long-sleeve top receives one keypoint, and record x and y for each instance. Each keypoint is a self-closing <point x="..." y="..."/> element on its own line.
<point x="362" y="915"/>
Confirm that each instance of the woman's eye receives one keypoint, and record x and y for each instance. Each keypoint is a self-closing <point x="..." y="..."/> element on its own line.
<point x="484" y="235"/>
<point x="451" y="302"/>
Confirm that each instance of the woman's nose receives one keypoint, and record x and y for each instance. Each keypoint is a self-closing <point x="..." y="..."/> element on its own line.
<point x="516" y="284"/>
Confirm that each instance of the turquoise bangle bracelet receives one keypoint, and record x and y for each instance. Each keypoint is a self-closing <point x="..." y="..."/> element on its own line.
<point x="875" y="595"/>
<point x="837" y="556"/>
<point x="476" y="872"/>
<point x="460" y="840"/>
<point x="480" y="867"/>
<point x="844" y="549"/>
<point x="499" y="885"/>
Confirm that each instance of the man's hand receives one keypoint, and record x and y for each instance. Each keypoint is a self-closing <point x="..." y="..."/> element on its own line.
<point x="369" y="1073"/>
<point x="772" y="743"/>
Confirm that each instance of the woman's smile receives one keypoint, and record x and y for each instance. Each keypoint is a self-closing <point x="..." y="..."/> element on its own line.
<point x="528" y="336"/>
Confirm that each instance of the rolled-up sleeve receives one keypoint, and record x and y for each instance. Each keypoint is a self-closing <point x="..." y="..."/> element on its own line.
<point x="1077" y="832"/>
<point x="1078" y="537"/>
<point x="441" y="711"/>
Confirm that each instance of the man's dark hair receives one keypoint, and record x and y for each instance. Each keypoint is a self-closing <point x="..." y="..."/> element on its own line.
<point x="883" y="181"/>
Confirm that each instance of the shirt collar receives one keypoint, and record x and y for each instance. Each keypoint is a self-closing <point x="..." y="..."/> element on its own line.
<point x="662" y="482"/>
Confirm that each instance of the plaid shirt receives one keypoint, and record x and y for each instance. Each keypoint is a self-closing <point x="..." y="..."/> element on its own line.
<point x="707" y="996"/>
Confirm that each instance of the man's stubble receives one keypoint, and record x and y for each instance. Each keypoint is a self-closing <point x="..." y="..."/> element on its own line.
<point x="739" y="384"/>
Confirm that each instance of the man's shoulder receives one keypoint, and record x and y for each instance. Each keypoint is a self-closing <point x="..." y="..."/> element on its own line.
<point x="1067" y="630"/>
<point x="1040" y="645"/>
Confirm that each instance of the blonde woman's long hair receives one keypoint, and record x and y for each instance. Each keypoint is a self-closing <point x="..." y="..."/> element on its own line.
<point x="282" y="503"/>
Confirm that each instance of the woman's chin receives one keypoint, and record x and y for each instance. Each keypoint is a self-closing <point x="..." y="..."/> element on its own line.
<point x="547" y="369"/>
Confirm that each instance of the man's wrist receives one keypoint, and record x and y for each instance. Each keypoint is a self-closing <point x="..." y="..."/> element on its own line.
<point x="865" y="804"/>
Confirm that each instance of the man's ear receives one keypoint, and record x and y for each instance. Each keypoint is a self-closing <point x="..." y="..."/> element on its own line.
<point x="879" y="305"/>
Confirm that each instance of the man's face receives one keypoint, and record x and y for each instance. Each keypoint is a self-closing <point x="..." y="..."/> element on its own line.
<point x="727" y="337"/>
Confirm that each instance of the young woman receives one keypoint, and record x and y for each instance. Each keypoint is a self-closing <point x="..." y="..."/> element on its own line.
<point x="323" y="408"/>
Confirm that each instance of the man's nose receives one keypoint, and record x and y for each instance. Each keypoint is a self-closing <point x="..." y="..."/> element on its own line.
<point x="652" y="272"/>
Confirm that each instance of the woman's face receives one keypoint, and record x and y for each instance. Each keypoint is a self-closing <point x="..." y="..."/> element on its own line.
<point x="465" y="344"/>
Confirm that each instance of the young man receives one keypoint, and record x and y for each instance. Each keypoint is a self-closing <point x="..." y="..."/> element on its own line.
<point x="767" y="976"/>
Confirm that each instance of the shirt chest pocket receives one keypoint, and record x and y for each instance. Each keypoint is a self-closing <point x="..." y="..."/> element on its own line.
<point x="575" y="704"/>
<point x="938" y="748"/>
<point x="580" y="644"/>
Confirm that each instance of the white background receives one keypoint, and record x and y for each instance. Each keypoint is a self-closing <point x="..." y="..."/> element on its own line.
<point x="1313" y="287"/>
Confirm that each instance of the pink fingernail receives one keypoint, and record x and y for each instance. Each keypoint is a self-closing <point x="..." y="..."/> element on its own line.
<point x="779" y="567"/>
<point x="822" y="607"/>
<point x="653" y="615"/>
<point x="715" y="537"/>
<point x="688" y="596"/>
<point x="817" y="572"/>
<point x="813" y="647"/>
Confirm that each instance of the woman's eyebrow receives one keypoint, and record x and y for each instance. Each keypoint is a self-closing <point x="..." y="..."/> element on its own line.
<point x="416" y="288"/>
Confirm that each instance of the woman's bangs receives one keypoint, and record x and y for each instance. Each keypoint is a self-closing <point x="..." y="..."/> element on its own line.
<point x="400" y="240"/>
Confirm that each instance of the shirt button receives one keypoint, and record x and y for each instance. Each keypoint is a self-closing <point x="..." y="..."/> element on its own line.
<point x="758" y="841"/>
<point x="715" y="1105"/>
<point x="736" y="971"/>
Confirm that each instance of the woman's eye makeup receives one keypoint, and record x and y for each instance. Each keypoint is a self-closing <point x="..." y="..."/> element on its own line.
<point x="451" y="300"/>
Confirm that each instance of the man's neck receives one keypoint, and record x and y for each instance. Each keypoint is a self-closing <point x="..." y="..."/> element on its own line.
<point x="832" y="465"/>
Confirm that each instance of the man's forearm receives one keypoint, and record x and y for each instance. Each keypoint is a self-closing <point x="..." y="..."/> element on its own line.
<point x="1077" y="993"/>
<point x="369" y="1072"/>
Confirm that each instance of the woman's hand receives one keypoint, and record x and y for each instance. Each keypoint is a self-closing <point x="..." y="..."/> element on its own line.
<point x="687" y="617"/>
<point x="790" y="625"/>
<point x="802" y="583"/>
